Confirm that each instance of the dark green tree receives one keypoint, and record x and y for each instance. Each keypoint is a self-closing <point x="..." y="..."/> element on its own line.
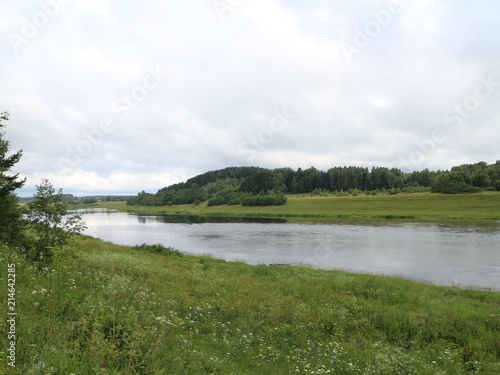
<point x="454" y="183"/>
<point x="10" y="212"/>
<point x="481" y="179"/>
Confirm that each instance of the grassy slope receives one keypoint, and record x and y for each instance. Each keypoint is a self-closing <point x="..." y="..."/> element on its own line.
<point x="484" y="205"/>
<point x="115" y="310"/>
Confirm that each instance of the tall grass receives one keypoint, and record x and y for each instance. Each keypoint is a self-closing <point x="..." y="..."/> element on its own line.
<point x="108" y="309"/>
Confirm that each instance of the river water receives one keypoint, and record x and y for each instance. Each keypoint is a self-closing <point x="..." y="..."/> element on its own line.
<point x="464" y="253"/>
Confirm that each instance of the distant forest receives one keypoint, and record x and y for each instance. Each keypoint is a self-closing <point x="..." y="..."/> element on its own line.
<point x="254" y="186"/>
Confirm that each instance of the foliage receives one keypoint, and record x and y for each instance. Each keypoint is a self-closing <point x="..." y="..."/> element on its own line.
<point x="158" y="249"/>
<point x="8" y="183"/>
<point x="11" y="225"/>
<point x="269" y="199"/>
<point x="245" y="183"/>
<point x="49" y="228"/>
<point x="454" y="183"/>
<point x="10" y="213"/>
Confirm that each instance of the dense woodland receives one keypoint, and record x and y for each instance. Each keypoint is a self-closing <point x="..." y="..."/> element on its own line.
<point x="253" y="186"/>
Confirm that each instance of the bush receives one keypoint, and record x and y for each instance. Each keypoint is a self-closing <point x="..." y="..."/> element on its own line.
<point x="158" y="249"/>
<point x="316" y="191"/>
<point x="453" y="183"/>
<point x="216" y="201"/>
<point x="234" y="202"/>
<point x="264" y="200"/>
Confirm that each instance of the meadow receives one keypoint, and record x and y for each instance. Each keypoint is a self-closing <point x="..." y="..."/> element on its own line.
<point x="485" y="205"/>
<point x="108" y="309"/>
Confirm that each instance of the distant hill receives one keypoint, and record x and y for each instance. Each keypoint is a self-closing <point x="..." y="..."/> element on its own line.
<point x="261" y="186"/>
<point x="71" y="199"/>
<point x="25" y="199"/>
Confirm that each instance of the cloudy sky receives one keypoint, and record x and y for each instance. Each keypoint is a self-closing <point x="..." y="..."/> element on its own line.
<point x="118" y="96"/>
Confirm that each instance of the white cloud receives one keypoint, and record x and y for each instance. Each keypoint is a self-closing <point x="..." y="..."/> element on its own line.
<point x="226" y="78"/>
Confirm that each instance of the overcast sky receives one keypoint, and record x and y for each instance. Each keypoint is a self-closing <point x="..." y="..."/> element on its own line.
<point x="119" y="96"/>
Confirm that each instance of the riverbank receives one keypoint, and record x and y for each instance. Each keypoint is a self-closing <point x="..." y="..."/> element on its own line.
<point x="121" y="310"/>
<point x="485" y="205"/>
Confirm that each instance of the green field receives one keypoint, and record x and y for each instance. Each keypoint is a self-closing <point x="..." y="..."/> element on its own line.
<point x="107" y="309"/>
<point x="484" y="205"/>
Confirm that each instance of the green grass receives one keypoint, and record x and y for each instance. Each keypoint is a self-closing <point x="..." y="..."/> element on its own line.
<point x="484" y="205"/>
<point x="109" y="309"/>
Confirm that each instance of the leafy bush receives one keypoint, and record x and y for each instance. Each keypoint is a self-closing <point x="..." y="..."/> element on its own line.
<point x="158" y="249"/>
<point x="454" y="183"/>
<point x="265" y="200"/>
<point x="497" y="185"/>
<point x="216" y="201"/>
<point x="234" y="202"/>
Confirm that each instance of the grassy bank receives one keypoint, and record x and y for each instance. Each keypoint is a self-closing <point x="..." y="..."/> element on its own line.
<point x="484" y="205"/>
<point x="116" y="310"/>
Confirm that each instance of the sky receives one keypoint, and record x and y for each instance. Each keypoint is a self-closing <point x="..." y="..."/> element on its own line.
<point x="120" y="96"/>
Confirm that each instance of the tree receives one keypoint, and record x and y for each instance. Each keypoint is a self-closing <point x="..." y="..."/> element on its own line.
<point x="481" y="179"/>
<point x="50" y="228"/>
<point x="10" y="212"/>
<point x="453" y="183"/>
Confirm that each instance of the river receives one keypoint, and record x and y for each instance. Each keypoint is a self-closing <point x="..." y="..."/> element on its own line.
<point x="461" y="253"/>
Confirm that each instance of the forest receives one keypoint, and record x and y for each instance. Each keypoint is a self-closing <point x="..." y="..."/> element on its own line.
<point x="254" y="186"/>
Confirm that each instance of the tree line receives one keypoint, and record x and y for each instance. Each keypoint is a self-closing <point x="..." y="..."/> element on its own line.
<point x="259" y="186"/>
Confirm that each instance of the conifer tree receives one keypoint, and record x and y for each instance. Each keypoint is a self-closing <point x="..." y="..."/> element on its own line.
<point x="10" y="212"/>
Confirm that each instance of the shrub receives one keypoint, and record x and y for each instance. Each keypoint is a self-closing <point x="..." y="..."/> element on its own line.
<point x="265" y="200"/>
<point x="234" y="202"/>
<point x="158" y="249"/>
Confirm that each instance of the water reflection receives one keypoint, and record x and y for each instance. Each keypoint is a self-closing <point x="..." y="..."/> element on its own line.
<point x="196" y="219"/>
<point x="446" y="253"/>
